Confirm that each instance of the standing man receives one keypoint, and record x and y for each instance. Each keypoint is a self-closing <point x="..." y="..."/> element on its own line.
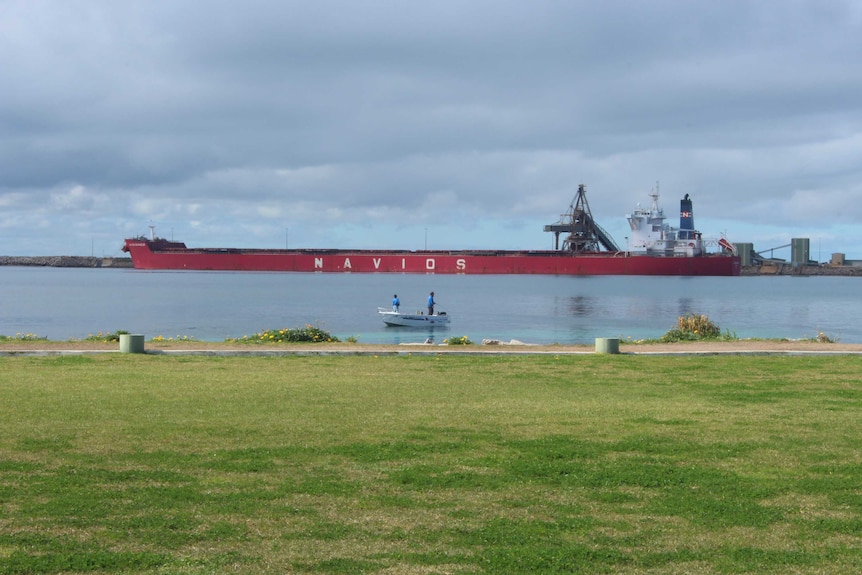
<point x="431" y="304"/>
<point x="396" y="303"/>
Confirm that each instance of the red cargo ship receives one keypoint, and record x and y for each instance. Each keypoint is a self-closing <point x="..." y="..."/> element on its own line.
<point x="654" y="248"/>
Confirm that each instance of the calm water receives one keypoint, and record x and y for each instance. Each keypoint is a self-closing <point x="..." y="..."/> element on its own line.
<point x="62" y="304"/>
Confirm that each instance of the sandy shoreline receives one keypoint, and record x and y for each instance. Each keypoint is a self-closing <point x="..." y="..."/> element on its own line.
<point x="739" y="346"/>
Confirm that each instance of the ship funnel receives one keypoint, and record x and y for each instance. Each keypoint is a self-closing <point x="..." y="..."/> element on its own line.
<point x="686" y="219"/>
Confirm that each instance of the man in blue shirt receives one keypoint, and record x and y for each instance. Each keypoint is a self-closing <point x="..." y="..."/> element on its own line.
<point x="431" y="303"/>
<point x="396" y="303"/>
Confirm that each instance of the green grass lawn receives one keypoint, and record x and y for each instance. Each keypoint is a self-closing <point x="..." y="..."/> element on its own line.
<point x="128" y="463"/>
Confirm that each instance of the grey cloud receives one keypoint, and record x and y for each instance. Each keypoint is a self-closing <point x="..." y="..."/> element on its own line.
<point x="217" y="115"/>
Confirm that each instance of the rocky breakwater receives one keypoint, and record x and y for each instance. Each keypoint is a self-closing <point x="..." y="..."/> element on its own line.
<point x="66" y="261"/>
<point x="784" y="269"/>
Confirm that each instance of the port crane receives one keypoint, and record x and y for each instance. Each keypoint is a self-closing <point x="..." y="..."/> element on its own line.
<point x="584" y="234"/>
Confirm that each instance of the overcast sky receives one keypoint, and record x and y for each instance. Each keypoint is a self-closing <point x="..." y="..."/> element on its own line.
<point x="444" y="124"/>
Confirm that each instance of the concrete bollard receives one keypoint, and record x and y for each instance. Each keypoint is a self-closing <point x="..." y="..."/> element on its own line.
<point x="607" y="345"/>
<point x="131" y="343"/>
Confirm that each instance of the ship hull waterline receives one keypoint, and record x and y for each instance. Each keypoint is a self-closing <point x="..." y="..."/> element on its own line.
<point x="428" y="262"/>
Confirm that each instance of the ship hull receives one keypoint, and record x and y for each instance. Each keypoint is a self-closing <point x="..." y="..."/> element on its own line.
<point x="397" y="319"/>
<point x="148" y="256"/>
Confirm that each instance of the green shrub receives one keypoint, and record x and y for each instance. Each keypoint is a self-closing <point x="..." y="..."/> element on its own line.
<point x="692" y="327"/>
<point x="463" y="340"/>
<point x="308" y="333"/>
<point x="22" y="337"/>
<point x="106" y="337"/>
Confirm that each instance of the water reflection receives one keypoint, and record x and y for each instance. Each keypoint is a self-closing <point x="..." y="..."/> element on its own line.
<point x="685" y="306"/>
<point x="582" y="306"/>
<point x="411" y="335"/>
<point x="575" y="306"/>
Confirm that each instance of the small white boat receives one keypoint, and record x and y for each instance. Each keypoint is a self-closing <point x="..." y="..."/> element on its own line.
<point x="392" y="317"/>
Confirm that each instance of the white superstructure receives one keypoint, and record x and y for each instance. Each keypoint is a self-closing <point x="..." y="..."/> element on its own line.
<point x="652" y="236"/>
